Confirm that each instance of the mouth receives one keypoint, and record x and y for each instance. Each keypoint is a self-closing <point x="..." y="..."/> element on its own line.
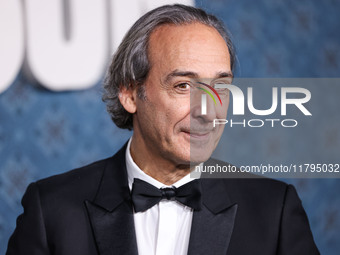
<point x="197" y="134"/>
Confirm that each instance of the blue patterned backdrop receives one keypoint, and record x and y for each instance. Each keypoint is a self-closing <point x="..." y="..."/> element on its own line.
<point x="44" y="133"/>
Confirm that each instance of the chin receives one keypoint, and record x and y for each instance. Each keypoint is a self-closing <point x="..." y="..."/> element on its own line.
<point x="193" y="152"/>
<point x="199" y="155"/>
<point x="191" y="156"/>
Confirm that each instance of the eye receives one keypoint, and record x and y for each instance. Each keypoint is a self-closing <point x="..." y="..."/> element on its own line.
<point x="219" y="86"/>
<point x="222" y="91"/>
<point x="183" y="86"/>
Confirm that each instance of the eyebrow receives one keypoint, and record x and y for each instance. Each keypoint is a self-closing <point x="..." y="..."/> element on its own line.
<point x="193" y="75"/>
<point x="224" y="75"/>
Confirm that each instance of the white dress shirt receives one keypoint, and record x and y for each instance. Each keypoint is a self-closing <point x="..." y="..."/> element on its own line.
<point x="164" y="229"/>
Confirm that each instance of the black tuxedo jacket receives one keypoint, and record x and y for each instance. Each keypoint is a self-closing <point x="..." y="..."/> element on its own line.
<point x="88" y="211"/>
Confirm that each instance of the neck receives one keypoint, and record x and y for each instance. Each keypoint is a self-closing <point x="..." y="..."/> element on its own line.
<point x="155" y="166"/>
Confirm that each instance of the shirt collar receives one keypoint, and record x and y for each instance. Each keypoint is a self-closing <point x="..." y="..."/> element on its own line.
<point x="133" y="171"/>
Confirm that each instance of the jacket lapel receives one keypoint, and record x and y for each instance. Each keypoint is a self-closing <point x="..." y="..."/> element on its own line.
<point x="212" y="226"/>
<point x="111" y="213"/>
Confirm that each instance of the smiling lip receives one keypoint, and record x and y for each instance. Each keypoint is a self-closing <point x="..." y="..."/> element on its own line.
<point x="197" y="134"/>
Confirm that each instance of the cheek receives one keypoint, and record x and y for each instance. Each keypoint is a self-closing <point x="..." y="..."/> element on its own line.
<point x="179" y="111"/>
<point x="222" y="112"/>
<point x="168" y="110"/>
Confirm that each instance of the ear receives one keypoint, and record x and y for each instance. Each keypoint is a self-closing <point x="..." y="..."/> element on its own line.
<point x="127" y="97"/>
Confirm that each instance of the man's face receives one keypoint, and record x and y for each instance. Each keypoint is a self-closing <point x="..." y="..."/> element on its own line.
<point x="165" y="123"/>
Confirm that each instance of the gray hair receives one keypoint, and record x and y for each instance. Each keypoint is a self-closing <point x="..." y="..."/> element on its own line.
<point x="130" y="64"/>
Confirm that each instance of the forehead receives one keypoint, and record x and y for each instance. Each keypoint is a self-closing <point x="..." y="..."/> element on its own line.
<point x="192" y="47"/>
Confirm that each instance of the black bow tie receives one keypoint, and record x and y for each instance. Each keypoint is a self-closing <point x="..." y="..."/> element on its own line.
<point x="145" y="195"/>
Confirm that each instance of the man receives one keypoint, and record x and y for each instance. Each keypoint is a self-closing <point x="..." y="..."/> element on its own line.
<point x="142" y="200"/>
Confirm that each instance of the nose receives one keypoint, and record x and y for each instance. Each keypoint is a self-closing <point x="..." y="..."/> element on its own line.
<point x="202" y="107"/>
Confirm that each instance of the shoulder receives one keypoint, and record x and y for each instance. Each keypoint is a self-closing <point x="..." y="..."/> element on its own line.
<point x="249" y="187"/>
<point x="77" y="175"/>
<point x="74" y="187"/>
<point x="77" y="184"/>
